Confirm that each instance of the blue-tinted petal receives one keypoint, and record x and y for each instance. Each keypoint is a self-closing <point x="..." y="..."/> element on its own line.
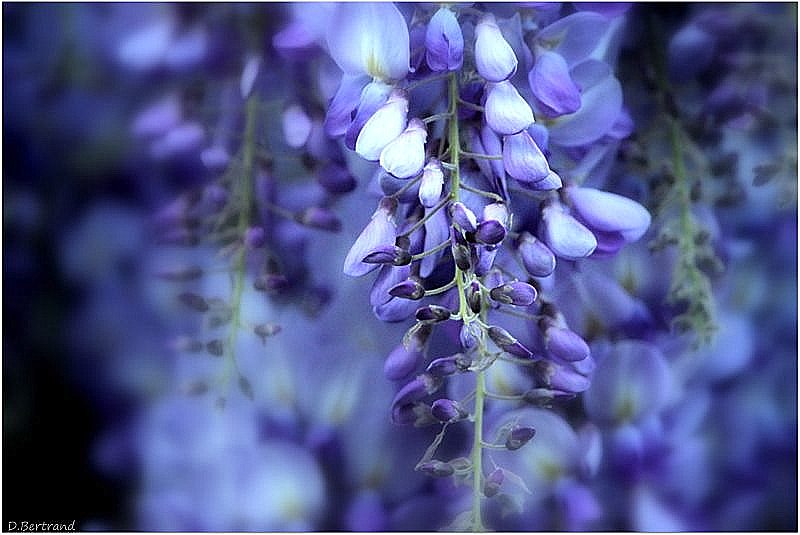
<point x="554" y="91"/>
<point x="373" y="96"/>
<point x="575" y="36"/>
<point x="506" y="111"/>
<point x="494" y="57"/>
<point x="564" y="235"/>
<point x="431" y="184"/>
<point x="297" y="126"/>
<point x="404" y="157"/>
<point x="369" y="38"/>
<point x="444" y="42"/>
<point x="523" y="160"/>
<point x="379" y="231"/>
<point x="601" y="104"/>
<point x="609" y="212"/>
<point x="383" y="127"/>
<point x="340" y="110"/>
<point x="437" y="230"/>
<point x="538" y="260"/>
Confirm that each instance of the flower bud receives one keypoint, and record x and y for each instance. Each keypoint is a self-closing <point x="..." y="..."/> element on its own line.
<point x="408" y="289"/>
<point x="474" y="297"/>
<point x="436" y="468"/>
<point x="564" y="344"/>
<point x="404" y="156"/>
<point x="445" y="366"/>
<point x="444" y="42"/>
<point x="519" y="436"/>
<point x="494" y="57"/>
<point x="401" y="362"/>
<point x="564" y="235"/>
<point x="490" y="232"/>
<point x="523" y="159"/>
<point x="433" y="313"/>
<point x="491" y="484"/>
<point x="514" y="293"/>
<point x="470" y="335"/>
<point x="508" y="343"/>
<point x="431" y="184"/>
<point x="447" y="410"/>
<point x="215" y="158"/>
<point x="423" y="385"/>
<point x="462" y="256"/>
<point x="463" y="216"/>
<point x="506" y="111"/>
<point x="538" y="260"/>
<point x="388" y="254"/>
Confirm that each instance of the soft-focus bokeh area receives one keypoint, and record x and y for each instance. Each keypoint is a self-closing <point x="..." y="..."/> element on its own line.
<point x="157" y="378"/>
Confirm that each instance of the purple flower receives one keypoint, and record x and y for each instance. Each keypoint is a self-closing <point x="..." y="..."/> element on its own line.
<point x="514" y="293"/>
<point x="388" y="254"/>
<point x="437" y="230"/>
<point x="339" y="114"/>
<point x="408" y="289"/>
<point x="379" y="231"/>
<point x="564" y="344"/>
<point x="402" y="361"/>
<point x="320" y="218"/>
<point x="506" y="111"/>
<point x="537" y="258"/>
<point x="463" y="217"/>
<point x="494" y="57"/>
<point x="614" y="219"/>
<point x="405" y="155"/>
<point x="564" y="235"/>
<point x="369" y="38"/>
<point x="447" y="410"/>
<point x="383" y="127"/>
<point x="554" y="91"/>
<point x="431" y="184"/>
<point x="373" y="96"/>
<point x="444" y="42"/>
<point x="508" y="343"/>
<point x="518" y="437"/>
<point x="523" y="160"/>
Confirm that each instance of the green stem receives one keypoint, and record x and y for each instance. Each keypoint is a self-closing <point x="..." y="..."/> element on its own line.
<point x="476" y="457"/>
<point x="239" y="268"/>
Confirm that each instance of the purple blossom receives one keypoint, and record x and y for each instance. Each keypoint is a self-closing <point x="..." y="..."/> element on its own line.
<point x="404" y="157"/>
<point x="506" y="111"/>
<point x="444" y="42"/>
<point x="381" y="230"/>
<point x="554" y="91"/>
<point x="494" y="57"/>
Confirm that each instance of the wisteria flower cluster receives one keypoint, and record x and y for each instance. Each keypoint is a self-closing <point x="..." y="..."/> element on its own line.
<point x="402" y="266"/>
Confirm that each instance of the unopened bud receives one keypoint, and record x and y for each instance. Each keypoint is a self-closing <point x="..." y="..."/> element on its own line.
<point x="514" y="293"/>
<point x="447" y="410"/>
<point x="492" y="482"/>
<point x="388" y="254"/>
<point x="408" y="289"/>
<point x="436" y="468"/>
<point x="433" y="313"/>
<point x="518" y="437"/>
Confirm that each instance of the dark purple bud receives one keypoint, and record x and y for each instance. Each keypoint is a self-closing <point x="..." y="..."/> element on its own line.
<point x="265" y="330"/>
<point x="401" y="362"/>
<point x="181" y="274"/>
<point x="465" y="217"/>
<point x="270" y="282"/>
<point x="215" y="347"/>
<point x="537" y="258"/>
<point x="490" y="232"/>
<point x="336" y="178"/>
<point x="540" y="397"/>
<point x="447" y="410"/>
<point x="514" y="293"/>
<point x="563" y="378"/>
<point x="254" y="237"/>
<point x="508" y="343"/>
<point x="565" y="344"/>
<point x="445" y="366"/>
<point x="408" y="289"/>
<point x="413" y="392"/>
<point x="388" y="254"/>
<point x="216" y="196"/>
<point x="518" y="437"/>
<point x="462" y="257"/>
<point x="470" y="335"/>
<point x="474" y="297"/>
<point x="194" y="301"/>
<point x="433" y="313"/>
<point x="436" y="468"/>
<point x="491" y="484"/>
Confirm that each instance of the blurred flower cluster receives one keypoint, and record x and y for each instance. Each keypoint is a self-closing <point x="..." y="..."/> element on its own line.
<point x="405" y="267"/>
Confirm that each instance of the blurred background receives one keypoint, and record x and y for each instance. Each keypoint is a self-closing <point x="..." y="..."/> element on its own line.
<point x="153" y="381"/>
